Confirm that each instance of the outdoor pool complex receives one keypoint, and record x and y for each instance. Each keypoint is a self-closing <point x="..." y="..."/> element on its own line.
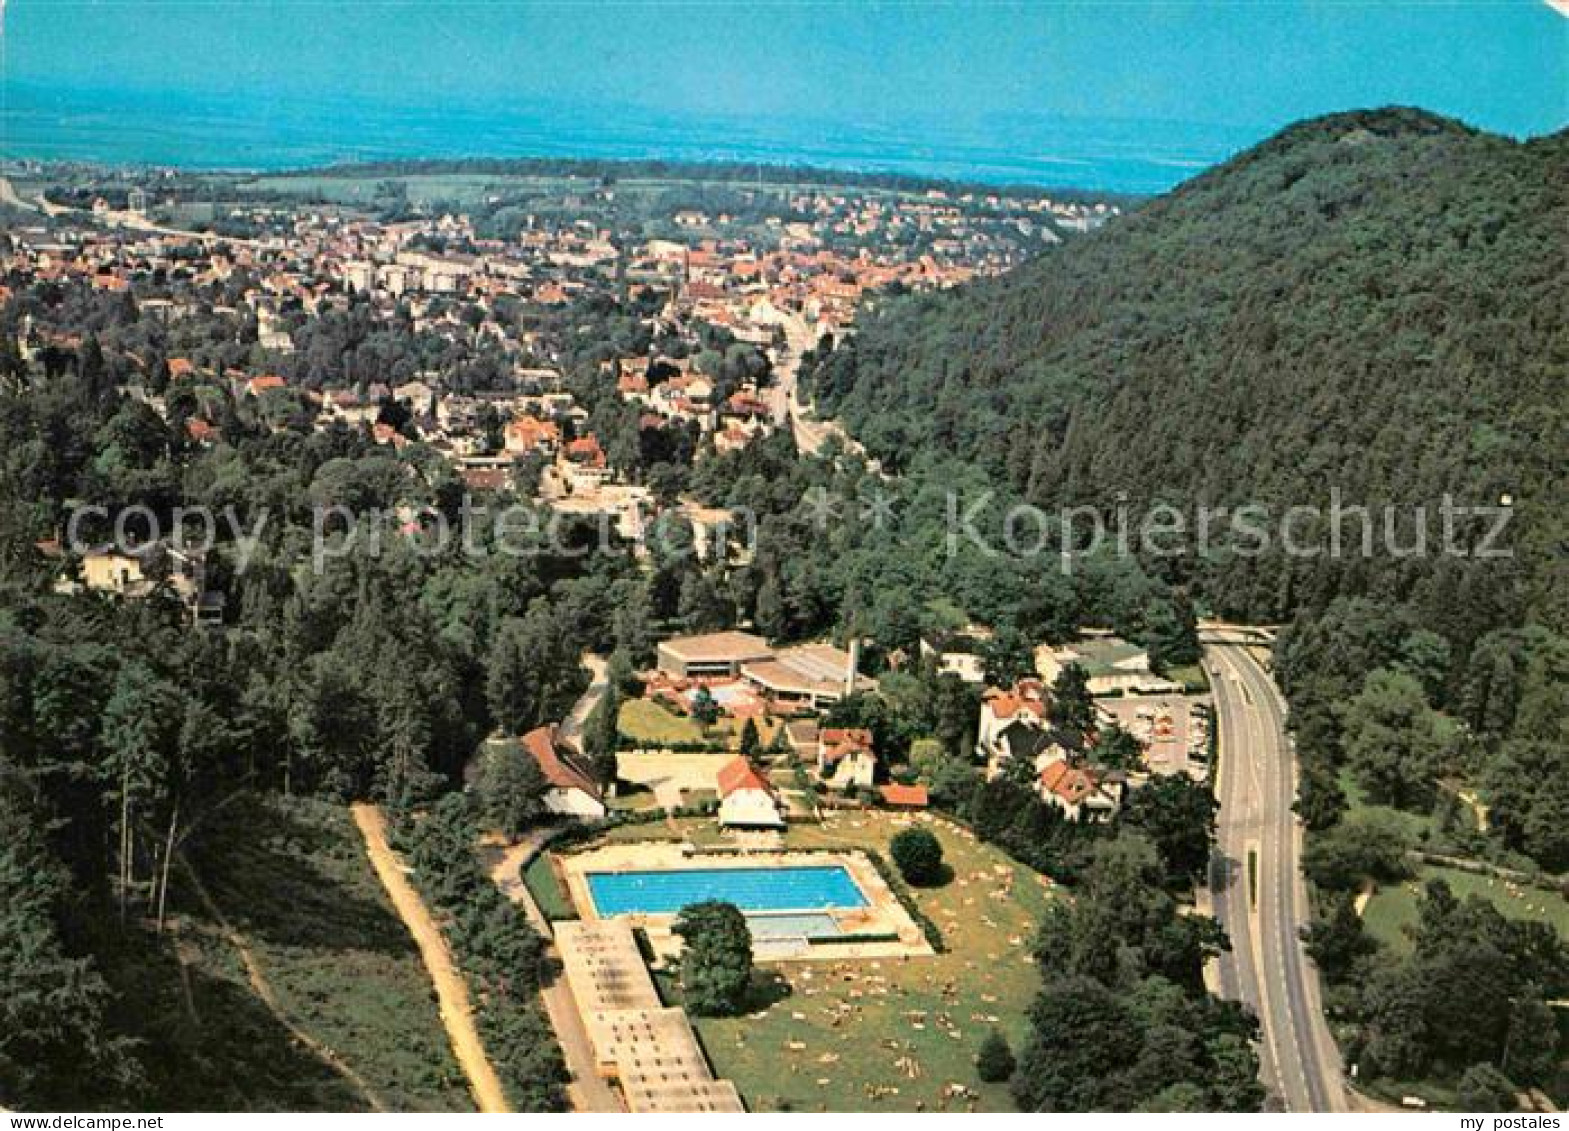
<point x="752" y="890"/>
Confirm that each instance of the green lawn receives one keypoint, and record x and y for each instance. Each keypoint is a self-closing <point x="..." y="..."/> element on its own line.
<point x="1393" y="909"/>
<point x="701" y="831"/>
<point x="545" y="886"/>
<point x="891" y="1034"/>
<point x="651" y="724"/>
<point x="1191" y="676"/>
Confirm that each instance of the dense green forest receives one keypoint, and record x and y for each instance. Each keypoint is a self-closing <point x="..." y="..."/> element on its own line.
<point x="128" y="739"/>
<point x="1371" y="302"/>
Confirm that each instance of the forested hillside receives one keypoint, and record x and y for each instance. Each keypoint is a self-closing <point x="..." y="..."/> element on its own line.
<point x="1372" y="302"/>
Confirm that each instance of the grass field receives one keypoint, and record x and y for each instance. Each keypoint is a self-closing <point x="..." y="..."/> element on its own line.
<point x="294" y="881"/>
<point x="546" y="889"/>
<point x="1393" y="909"/>
<point x="1191" y="676"/>
<point x="652" y="724"/>
<point x="893" y="1034"/>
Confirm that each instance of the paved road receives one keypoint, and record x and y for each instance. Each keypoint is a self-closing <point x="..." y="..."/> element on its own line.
<point x="811" y="434"/>
<point x="117" y="219"/>
<point x="1265" y="906"/>
<point x="599" y="683"/>
<point x="588" y="1090"/>
<point x="9" y="197"/>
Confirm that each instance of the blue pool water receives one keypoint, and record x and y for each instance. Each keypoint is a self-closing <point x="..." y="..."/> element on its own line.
<point x="750" y="889"/>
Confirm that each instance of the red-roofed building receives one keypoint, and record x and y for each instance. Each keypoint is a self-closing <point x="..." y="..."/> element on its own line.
<point x="746" y="798"/>
<point x="526" y="434"/>
<point x="573" y="791"/>
<point x="731" y="439"/>
<point x="845" y="758"/>
<point x="1023" y="705"/>
<point x="199" y="431"/>
<point x="256" y="386"/>
<point x="486" y="478"/>
<point x="387" y="434"/>
<point x="897" y="796"/>
<point x="1079" y="792"/>
<point x="585" y="450"/>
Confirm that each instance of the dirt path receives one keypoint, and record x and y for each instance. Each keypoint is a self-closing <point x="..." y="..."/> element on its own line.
<point x="456" y="1012"/>
<point x="264" y="991"/>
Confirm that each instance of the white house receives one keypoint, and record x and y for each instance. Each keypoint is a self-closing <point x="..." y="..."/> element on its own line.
<point x="845" y="758"/>
<point x="1083" y="793"/>
<point x="573" y="792"/>
<point x="746" y="799"/>
<point x="1113" y="666"/>
<point x="1022" y="706"/>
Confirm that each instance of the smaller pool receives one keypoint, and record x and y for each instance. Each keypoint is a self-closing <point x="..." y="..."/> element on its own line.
<point x="750" y="889"/>
<point x="819" y="925"/>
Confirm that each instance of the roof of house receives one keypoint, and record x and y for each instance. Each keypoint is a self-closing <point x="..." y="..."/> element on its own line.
<point x="911" y="796"/>
<point x="556" y="763"/>
<point x="1024" y="697"/>
<point x="837" y="742"/>
<point x="739" y="774"/>
<point x="528" y="431"/>
<point x="1025" y="741"/>
<point x="486" y="478"/>
<point x="1069" y="782"/>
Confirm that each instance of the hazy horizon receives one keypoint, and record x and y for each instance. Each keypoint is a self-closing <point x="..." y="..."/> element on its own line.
<point x="1130" y="96"/>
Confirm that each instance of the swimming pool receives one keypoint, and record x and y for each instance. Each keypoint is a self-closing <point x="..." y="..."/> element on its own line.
<point x="750" y="889"/>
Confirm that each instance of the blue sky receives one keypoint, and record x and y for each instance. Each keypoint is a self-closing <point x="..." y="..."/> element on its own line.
<point x="1246" y="67"/>
<point x="1503" y="64"/>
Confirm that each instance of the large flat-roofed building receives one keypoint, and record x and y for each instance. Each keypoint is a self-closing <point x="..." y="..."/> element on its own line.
<point x="711" y="654"/>
<point x="813" y="675"/>
<point x="1113" y="666"/>
<point x="646" y="1047"/>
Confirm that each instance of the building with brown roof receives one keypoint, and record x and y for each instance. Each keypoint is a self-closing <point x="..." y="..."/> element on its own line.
<point x="711" y="654"/>
<point x="573" y="791"/>
<point x="1080" y="792"/>
<point x="747" y="800"/>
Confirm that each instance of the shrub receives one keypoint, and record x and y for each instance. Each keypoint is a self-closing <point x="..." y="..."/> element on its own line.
<point x="1484" y="1088"/>
<point x="994" y="1063"/>
<point x="919" y="856"/>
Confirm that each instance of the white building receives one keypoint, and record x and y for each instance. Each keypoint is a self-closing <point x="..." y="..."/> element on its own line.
<point x="573" y="792"/>
<point x="746" y="799"/>
<point x="845" y="758"/>
<point x="1024" y="706"/>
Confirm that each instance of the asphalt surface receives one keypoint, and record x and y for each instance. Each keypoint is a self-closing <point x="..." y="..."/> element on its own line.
<point x="1264" y="905"/>
<point x="587" y="1090"/>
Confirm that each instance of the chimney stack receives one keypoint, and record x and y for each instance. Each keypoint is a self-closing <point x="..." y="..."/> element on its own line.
<point x="852" y="667"/>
